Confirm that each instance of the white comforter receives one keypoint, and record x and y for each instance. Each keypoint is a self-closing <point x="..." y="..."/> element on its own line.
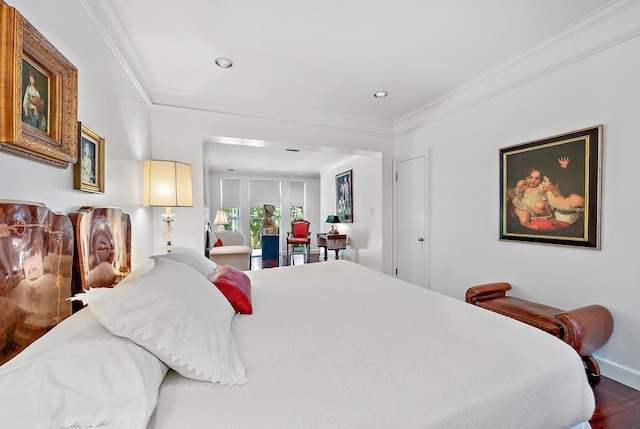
<point x="336" y="345"/>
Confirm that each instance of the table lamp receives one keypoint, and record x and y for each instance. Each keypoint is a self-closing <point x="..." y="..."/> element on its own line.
<point x="167" y="184"/>
<point x="221" y="220"/>
<point x="333" y="219"/>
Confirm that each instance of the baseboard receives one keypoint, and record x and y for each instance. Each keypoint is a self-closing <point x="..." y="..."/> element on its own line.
<point x="619" y="373"/>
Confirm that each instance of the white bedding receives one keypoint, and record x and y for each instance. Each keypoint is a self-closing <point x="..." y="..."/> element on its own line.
<point x="336" y="345"/>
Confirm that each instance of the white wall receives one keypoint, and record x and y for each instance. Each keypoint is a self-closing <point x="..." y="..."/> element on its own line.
<point x="178" y="134"/>
<point x="593" y="86"/>
<point x="312" y="202"/>
<point x="365" y="243"/>
<point x="109" y="104"/>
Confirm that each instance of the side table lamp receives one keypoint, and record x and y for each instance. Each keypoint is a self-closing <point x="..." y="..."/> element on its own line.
<point x="333" y="219"/>
<point x="167" y="184"/>
<point x="221" y="220"/>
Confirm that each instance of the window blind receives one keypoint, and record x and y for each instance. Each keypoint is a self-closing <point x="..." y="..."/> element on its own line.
<point x="230" y="192"/>
<point x="264" y="192"/>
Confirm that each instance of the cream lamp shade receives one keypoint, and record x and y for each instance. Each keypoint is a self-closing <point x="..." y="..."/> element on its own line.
<point x="221" y="219"/>
<point x="167" y="184"/>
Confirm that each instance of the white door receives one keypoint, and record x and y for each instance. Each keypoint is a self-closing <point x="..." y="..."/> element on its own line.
<point x="411" y="220"/>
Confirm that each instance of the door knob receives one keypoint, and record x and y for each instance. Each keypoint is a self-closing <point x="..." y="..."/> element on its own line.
<point x="420" y="239"/>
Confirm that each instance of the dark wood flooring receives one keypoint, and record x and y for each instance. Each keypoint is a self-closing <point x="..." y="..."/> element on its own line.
<point x="257" y="263"/>
<point x="617" y="405"/>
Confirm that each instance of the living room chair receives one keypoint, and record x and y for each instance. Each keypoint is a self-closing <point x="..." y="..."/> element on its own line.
<point x="299" y="236"/>
<point x="230" y="250"/>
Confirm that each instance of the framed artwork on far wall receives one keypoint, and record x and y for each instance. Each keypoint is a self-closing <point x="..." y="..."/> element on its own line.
<point x="550" y="190"/>
<point x="88" y="173"/>
<point x="344" y="196"/>
<point x="39" y="98"/>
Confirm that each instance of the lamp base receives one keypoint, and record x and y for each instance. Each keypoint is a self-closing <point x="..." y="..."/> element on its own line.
<point x="168" y="231"/>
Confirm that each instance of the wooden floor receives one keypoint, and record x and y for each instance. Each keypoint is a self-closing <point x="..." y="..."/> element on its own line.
<point x="617" y="405"/>
<point x="257" y="263"/>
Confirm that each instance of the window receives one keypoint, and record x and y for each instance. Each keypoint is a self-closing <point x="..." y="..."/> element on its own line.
<point x="296" y="200"/>
<point x="255" y="224"/>
<point x="233" y="216"/>
<point x="296" y="213"/>
<point x="230" y="202"/>
<point x="261" y="192"/>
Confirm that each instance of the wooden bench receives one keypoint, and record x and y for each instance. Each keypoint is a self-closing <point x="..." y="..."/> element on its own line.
<point x="586" y="329"/>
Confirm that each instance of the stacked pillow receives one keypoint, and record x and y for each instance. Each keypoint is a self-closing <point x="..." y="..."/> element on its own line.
<point x="59" y="380"/>
<point x="232" y="282"/>
<point x="165" y="314"/>
<point x="175" y="313"/>
<point x="235" y="285"/>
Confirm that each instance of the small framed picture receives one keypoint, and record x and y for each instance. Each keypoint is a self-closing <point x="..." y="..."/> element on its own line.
<point x="88" y="174"/>
<point x="550" y="190"/>
<point x="344" y="196"/>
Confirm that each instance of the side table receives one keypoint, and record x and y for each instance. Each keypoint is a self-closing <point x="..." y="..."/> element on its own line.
<point x="335" y="242"/>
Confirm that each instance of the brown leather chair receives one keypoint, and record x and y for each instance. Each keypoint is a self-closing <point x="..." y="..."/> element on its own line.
<point x="586" y="329"/>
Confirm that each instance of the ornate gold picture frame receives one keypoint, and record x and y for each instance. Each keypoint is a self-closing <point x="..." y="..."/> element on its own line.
<point x="38" y="94"/>
<point x="88" y="173"/>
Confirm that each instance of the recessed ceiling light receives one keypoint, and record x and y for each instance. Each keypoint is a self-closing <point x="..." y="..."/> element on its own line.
<point x="380" y="94"/>
<point x="223" y="62"/>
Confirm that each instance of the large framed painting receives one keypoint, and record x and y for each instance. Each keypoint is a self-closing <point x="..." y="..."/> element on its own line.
<point x="88" y="173"/>
<point x="39" y="98"/>
<point x="550" y="190"/>
<point x="344" y="196"/>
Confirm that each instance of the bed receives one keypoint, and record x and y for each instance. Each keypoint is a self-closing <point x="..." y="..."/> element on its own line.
<point x="181" y="343"/>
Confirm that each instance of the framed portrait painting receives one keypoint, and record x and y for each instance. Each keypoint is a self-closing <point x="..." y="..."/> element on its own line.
<point x="344" y="196"/>
<point x="550" y="190"/>
<point x="39" y="99"/>
<point x="88" y="173"/>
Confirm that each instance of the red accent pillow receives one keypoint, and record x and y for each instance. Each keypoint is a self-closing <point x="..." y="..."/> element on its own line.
<point x="235" y="285"/>
<point x="218" y="243"/>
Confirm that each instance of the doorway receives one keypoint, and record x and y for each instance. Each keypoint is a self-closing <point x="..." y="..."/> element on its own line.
<point x="411" y="255"/>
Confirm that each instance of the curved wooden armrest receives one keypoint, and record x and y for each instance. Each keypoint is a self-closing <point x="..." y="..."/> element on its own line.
<point x="486" y="291"/>
<point x="586" y="329"/>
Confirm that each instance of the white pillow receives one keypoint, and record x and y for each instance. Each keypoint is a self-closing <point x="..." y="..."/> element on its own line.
<point x="195" y="260"/>
<point x="179" y="316"/>
<point x="139" y="271"/>
<point x="80" y="375"/>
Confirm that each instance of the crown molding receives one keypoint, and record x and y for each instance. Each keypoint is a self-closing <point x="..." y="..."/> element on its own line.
<point x="609" y="26"/>
<point x="103" y="18"/>
<point x="617" y="21"/>
<point x="111" y="24"/>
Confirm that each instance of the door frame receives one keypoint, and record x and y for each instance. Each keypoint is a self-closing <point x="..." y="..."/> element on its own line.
<point x="427" y="235"/>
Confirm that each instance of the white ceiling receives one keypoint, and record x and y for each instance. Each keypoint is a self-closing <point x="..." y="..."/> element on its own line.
<point x="323" y="58"/>
<point x="269" y="158"/>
